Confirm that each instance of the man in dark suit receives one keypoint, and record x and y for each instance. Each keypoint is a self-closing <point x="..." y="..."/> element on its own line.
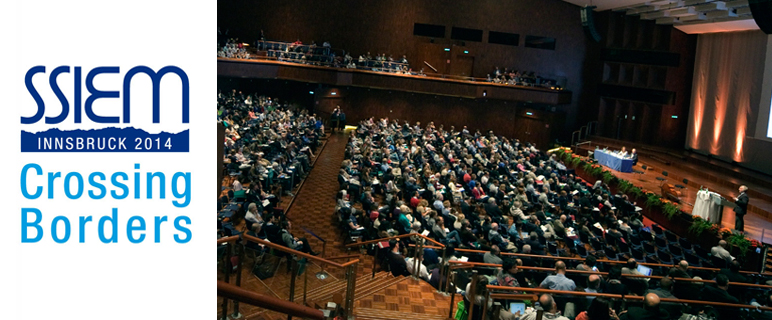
<point x="734" y="275"/>
<point x="493" y="210"/>
<point x="397" y="262"/>
<point x="720" y="293"/>
<point x="741" y="209"/>
<point x="634" y="156"/>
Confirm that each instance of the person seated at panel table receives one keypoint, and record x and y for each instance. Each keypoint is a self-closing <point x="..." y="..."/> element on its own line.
<point x="634" y="156"/>
<point x="623" y="152"/>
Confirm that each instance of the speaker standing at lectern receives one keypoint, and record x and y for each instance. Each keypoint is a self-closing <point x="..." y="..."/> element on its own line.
<point x="741" y="209"/>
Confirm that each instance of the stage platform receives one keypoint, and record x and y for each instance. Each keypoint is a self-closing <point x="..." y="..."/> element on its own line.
<point x="694" y="171"/>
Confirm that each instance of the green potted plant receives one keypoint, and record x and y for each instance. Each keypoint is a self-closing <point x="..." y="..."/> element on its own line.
<point x="741" y="242"/>
<point x="699" y="226"/>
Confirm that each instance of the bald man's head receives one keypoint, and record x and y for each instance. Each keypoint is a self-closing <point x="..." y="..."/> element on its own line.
<point x="722" y="243"/>
<point x="547" y="303"/>
<point x="593" y="282"/>
<point x="651" y="301"/>
<point x="683" y="265"/>
<point x="560" y="267"/>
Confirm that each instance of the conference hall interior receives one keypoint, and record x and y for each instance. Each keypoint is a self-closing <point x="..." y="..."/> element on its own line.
<point x="491" y="159"/>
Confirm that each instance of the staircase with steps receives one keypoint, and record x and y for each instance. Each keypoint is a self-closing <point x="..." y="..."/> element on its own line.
<point x="366" y="285"/>
<point x="378" y="314"/>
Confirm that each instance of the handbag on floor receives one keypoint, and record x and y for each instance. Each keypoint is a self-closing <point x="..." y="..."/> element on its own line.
<point x="265" y="266"/>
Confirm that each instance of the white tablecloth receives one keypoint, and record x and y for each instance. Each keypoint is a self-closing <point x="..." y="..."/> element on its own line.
<point x="708" y="206"/>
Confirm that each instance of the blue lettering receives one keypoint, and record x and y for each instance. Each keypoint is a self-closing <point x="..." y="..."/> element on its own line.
<point x="122" y="186"/>
<point x="177" y="193"/>
<point x="25" y="224"/>
<point x="55" y="234"/>
<point x="97" y="94"/>
<point x="83" y="220"/>
<point x="158" y="221"/>
<point x="114" y="222"/>
<point x="77" y="98"/>
<point x="130" y="228"/>
<point x="51" y="177"/>
<point x="182" y="229"/>
<point x="161" y="184"/>
<point x="59" y="94"/>
<point x="136" y="181"/>
<point x="92" y="181"/>
<point x="38" y="189"/>
<point x="156" y="79"/>
<point x="35" y="95"/>
<point x="67" y="180"/>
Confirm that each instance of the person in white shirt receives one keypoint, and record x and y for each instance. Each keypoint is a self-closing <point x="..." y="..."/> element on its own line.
<point x="721" y="252"/>
<point x="550" y="309"/>
<point x="254" y="217"/>
<point x="423" y="273"/>
<point x="237" y="186"/>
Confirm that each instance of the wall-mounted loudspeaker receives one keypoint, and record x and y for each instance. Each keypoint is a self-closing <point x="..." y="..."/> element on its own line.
<point x="762" y="13"/>
<point x="589" y="23"/>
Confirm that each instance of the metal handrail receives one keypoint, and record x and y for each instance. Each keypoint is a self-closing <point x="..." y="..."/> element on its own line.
<point x="649" y="264"/>
<point x="617" y="296"/>
<point x="573" y="135"/>
<point x="395" y="237"/>
<point x="424" y="75"/>
<point x="493" y="265"/>
<point x="238" y="294"/>
<point x="297" y="253"/>
<point x="350" y="267"/>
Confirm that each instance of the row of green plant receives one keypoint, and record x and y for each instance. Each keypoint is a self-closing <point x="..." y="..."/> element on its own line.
<point x="670" y="209"/>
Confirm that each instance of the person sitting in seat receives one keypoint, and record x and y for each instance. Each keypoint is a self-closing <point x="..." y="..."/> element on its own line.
<point x="720" y="293"/>
<point x="292" y="242"/>
<point x="721" y="251"/>
<point x="506" y="276"/>
<point x="650" y="310"/>
<point x="558" y="281"/>
<point x="550" y="309"/>
<point x="498" y="240"/>
<point x="397" y="262"/>
<point x="254" y="218"/>
<point x="493" y="256"/>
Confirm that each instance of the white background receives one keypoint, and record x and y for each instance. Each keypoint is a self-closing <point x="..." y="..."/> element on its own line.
<point x="93" y="280"/>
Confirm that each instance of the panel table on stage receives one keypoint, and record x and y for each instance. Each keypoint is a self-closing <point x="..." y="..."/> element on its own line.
<point x="614" y="161"/>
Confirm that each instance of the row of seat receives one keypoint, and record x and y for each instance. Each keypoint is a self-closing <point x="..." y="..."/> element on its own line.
<point x="663" y="247"/>
<point x="286" y="46"/>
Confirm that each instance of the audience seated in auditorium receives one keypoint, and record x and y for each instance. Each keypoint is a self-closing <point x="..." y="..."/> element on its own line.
<point x="446" y="174"/>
